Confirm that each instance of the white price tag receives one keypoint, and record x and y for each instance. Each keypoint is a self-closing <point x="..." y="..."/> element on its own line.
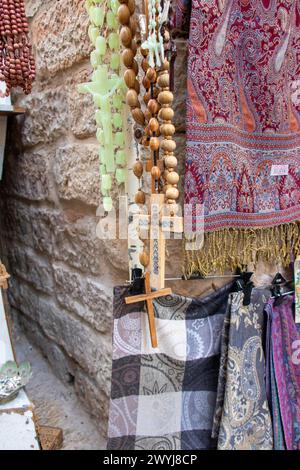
<point x="279" y="170"/>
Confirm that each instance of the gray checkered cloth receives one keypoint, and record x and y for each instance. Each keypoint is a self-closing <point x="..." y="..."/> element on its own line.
<point x="165" y="398"/>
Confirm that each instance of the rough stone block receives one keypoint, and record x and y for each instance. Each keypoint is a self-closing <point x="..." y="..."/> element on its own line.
<point x="28" y="175"/>
<point x="76" y="173"/>
<point x="46" y="117"/>
<point x="59" y="32"/>
<point x="31" y="268"/>
<point x="86" y="298"/>
<point x="81" y="106"/>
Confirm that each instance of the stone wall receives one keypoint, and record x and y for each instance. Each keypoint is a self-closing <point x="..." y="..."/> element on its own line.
<point x="62" y="274"/>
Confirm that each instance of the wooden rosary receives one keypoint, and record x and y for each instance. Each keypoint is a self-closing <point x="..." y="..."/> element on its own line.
<point x="155" y="119"/>
<point x="17" y="67"/>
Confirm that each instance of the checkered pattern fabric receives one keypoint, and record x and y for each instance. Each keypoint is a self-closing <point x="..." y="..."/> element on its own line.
<point x="165" y="398"/>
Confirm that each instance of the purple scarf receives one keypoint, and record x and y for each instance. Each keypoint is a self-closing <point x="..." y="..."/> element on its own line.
<point x="285" y="368"/>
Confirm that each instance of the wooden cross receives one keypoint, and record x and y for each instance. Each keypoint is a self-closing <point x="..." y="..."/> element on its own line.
<point x="3" y="276"/>
<point x="148" y="297"/>
<point x="158" y="225"/>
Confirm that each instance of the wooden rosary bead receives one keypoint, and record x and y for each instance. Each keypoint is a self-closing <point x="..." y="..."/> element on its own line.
<point x="133" y="25"/>
<point x="135" y="67"/>
<point x="154" y="125"/>
<point x="172" y="177"/>
<point x="140" y="197"/>
<point x="137" y="86"/>
<point x="129" y="78"/>
<point x="172" y="193"/>
<point x="164" y="80"/>
<point x="132" y="99"/>
<point x="147" y="97"/>
<point x="144" y="259"/>
<point x="155" y="92"/>
<point x="147" y="114"/>
<point x="145" y="65"/>
<point x="146" y="83"/>
<point x="165" y="97"/>
<point x="138" y="116"/>
<point x="166" y="114"/>
<point x="138" y="169"/>
<point x="131" y="6"/>
<point x="123" y="14"/>
<point x="127" y="56"/>
<point x="133" y="47"/>
<point x="167" y="129"/>
<point x="154" y="143"/>
<point x="151" y="74"/>
<point x="153" y="106"/>
<point x="155" y="171"/>
<point x="126" y="36"/>
<point x="170" y="161"/>
<point x="166" y="65"/>
<point x="144" y="52"/>
<point x="168" y="145"/>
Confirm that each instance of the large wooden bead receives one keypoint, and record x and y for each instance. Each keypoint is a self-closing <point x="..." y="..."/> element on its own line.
<point x="126" y="36"/>
<point x="170" y="161"/>
<point x="153" y="106"/>
<point x="154" y="143"/>
<point x="144" y="259"/>
<point x="145" y="65"/>
<point x="138" y="169"/>
<point x="165" y="97"/>
<point x="153" y="125"/>
<point x="133" y="25"/>
<point x="166" y="65"/>
<point x="133" y="47"/>
<point x="140" y="197"/>
<point x="168" y="145"/>
<point x="167" y="129"/>
<point x="132" y="99"/>
<point x="129" y="78"/>
<point x="172" y="193"/>
<point x="138" y="116"/>
<point x="155" y="171"/>
<point x="166" y="114"/>
<point x="123" y="14"/>
<point x="151" y="74"/>
<point x="137" y="86"/>
<point x="147" y="97"/>
<point x="127" y="56"/>
<point x="131" y="6"/>
<point x="147" y="115"/>
<point x="146" y="83"/>
<point x="172" y="177"/>
<point x="163" y="80"/>
<point x="135" y="67"/>
<point x="144" y="52"/>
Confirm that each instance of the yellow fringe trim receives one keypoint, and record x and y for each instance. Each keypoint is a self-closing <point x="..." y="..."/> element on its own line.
<point x="229" y="249"/>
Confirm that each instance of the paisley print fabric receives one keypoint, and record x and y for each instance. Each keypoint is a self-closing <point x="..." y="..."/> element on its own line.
<point x="243" y="120"/>
<point x="165" y="398"/>
<point x="285" y="373"/>
<point x="242" y="419"/>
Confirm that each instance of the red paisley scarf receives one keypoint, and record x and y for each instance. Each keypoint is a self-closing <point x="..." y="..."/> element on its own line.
<point x="243" y="121"/>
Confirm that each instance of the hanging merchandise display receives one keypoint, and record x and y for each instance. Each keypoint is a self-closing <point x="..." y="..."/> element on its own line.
<point x="243" y="125"/>
<point x="165" y="399"/>
<point x="153" y="116"/>
<point x="107" y="88"/>
<point x="283" y="372"/>
<point x="241" y="398"/>
<point x="17" y="66"/>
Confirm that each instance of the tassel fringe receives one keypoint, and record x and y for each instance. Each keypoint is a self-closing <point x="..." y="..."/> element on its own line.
<point x="237" y="248"/>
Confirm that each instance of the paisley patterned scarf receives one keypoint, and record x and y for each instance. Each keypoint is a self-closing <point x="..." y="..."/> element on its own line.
<point x="285" y="370"/>
<point x="243" y="139"/>
<point x="242" y="419"/>
<point x="165" y="398"/>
